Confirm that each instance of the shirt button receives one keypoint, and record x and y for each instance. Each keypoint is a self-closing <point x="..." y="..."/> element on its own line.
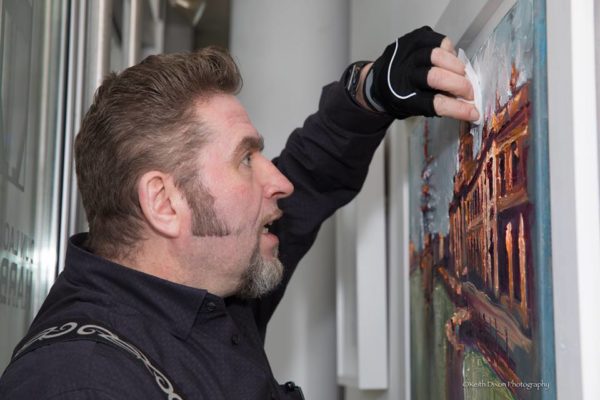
<point x="211" y="306"/>
<point x="235" y="339"/>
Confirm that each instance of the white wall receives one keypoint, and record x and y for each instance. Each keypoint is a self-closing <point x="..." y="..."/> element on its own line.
<point x="376" y="23"/>
<point x="574" y="195"/>
<point x="287" y="50"/>
<point x="373" y="26"/>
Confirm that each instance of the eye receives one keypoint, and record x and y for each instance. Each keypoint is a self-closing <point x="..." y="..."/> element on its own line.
<point x="247" y="160"/>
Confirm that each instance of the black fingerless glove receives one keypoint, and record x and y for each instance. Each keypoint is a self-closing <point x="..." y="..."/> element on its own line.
<point x="397" y="82"/>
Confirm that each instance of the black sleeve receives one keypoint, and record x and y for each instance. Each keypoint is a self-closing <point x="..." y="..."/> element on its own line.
<point x="327" y="160"/>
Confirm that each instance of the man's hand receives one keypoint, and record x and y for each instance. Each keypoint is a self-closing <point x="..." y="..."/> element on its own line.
<point x="419" y="74"/>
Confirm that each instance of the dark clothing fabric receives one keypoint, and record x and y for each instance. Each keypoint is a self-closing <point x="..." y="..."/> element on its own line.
<point x="211" y="347"/>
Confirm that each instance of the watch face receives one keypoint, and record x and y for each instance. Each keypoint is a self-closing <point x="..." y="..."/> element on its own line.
<point x="352" y="79"/>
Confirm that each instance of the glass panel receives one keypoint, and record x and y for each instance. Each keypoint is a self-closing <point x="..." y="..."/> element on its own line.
<point x="31" y="85"/>
<point x="117" y="47"/>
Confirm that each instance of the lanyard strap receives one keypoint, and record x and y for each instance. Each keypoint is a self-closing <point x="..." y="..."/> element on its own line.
<point x="79" y="329"/>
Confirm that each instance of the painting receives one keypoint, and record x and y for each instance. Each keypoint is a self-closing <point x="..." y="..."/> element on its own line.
<point x="480" y="288"/>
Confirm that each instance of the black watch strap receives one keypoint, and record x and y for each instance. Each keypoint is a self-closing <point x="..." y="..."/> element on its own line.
<point x="368" y="95"/>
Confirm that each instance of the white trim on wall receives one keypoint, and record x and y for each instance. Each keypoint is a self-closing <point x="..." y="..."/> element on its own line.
<point x="398" y="256"/>
<point x="361" y="259"/>
<point x="469" y="22"/>
<point x="574" y="196"/>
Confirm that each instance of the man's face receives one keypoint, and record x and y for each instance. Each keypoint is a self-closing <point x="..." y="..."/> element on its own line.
<point x="243" y="187"/>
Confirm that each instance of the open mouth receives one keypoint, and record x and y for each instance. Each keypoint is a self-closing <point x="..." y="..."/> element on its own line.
<point x="268" y="222"/>
<point x="266" y="227"/>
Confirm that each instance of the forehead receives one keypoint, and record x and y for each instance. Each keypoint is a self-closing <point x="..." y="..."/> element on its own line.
<point x="226" y="119"/>
<point x="231" y="135"/>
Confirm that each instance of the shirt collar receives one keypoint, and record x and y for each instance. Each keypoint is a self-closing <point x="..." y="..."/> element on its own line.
<point x="170" y="303"/>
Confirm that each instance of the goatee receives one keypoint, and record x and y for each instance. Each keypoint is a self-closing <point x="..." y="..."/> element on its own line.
<point x="261" y="277"/>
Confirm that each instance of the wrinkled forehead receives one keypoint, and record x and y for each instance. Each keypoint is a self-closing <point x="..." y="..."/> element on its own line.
<point x="222" y="110"/>
<point x="228" y="125"/>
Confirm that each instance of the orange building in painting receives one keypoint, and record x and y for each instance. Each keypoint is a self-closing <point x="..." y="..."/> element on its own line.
<point x="489" y="239"/>
<point x="485" y="261"/>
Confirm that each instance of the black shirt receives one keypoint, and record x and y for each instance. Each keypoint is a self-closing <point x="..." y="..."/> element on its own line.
<point x="211" y="348"/>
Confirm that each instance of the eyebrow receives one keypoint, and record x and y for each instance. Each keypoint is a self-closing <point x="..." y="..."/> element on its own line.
<point x="250" y="143"/>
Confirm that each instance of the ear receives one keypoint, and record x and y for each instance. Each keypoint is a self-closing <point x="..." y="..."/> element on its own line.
<point x="161" y="203"/>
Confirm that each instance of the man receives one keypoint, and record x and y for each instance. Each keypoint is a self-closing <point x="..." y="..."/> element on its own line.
<point x="194" y="234"/>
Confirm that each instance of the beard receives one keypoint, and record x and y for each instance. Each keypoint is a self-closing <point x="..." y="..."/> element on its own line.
<point x="261" y="277"/>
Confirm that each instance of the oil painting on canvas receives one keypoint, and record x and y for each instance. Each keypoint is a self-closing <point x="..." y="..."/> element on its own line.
<point x="480" y="293"/>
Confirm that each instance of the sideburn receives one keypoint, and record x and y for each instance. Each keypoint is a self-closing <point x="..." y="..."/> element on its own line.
<point x="205" y="221"/>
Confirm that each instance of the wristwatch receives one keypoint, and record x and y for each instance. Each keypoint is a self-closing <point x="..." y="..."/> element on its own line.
<point x="351" y="79"/>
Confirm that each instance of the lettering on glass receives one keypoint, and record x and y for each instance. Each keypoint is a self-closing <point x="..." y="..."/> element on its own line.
<point x="16" y="268"/>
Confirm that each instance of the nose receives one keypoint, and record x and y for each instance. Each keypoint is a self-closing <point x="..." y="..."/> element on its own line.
<point x="275" y="184"/>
